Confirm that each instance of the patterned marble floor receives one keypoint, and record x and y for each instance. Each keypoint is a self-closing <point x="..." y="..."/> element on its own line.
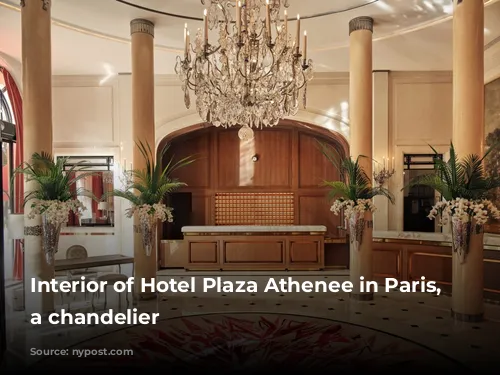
<point x="419" y="318"/>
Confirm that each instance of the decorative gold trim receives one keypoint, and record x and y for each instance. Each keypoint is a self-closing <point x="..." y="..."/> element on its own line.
<point x="361" y="23"/>
<point x="35" y="230"/>
<point x="190" y="234"/>
<point x="87" y="234"/>
<point x="140" y="25"/>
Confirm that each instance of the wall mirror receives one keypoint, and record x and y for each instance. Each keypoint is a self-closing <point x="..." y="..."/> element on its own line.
<point x="419" y="199"/>
<point x="99" y="212"/>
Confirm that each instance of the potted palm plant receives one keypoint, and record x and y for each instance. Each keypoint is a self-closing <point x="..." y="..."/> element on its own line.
<point x="353" y="194"/>
<point x="148" y="188"/>
<point x="52" y="197"/>
<point x="464" y="188"/>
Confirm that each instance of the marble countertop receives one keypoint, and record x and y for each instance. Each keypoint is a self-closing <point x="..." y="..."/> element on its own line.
<point x="254" y="228"/>
<point x="489" y="239"/>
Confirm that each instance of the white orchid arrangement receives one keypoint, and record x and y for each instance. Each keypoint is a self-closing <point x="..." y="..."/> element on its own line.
<point x="464" y="211"/>
<point x="353" y="208"/>
<point x="52" y="195"/>
<point x="157" y="211"/>
<point x="150" y="186"/>
<point x="55" y="211"/>
<point x="464" y="188"/>
<point x="354" y="192"/>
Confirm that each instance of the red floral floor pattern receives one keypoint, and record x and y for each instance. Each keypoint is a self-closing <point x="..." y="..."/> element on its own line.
<point x="250" y="341"/>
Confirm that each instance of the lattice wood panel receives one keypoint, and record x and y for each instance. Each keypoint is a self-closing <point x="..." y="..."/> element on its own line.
<point x="254" y="209"/>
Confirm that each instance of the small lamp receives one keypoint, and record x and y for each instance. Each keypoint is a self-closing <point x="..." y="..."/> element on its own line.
<point x="103" y="206"/>
<point x="15" y="226"/>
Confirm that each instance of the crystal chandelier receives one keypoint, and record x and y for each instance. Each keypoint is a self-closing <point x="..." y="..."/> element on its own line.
<point x="254" y="75"/>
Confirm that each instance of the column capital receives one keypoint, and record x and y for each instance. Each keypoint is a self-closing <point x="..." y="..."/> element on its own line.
<point x="45" y="4"/>
<point x="140" y="25"/>
<point x="361" y="23"/>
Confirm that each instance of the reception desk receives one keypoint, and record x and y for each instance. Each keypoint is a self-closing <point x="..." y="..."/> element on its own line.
<point x="254" y="248"/>
<point x="407" y="256"/>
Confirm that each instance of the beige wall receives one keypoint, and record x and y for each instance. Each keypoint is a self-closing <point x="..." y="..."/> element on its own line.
<point x="93" y="117"/>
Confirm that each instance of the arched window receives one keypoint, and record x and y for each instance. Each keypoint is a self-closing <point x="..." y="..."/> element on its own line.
<point x="8" y="138"/>
<point x="5" y="106"/>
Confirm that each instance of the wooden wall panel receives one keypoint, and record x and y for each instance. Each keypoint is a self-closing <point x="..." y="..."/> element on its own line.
<point x="387" y="263"/>
<point x="237" y="169"/>
<point x="315" y="209"/>
<point x="197" y="174"/>
<point x="200" y="209"/>
<point x="289" y="161"/>
<point x="314" y="168"/>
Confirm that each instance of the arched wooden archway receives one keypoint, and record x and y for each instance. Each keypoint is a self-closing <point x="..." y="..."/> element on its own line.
<point x="287" y="162"/>
<point x="332" y="136"/>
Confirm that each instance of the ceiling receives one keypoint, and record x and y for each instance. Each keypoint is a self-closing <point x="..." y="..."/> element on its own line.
<point x="92" y="36"/>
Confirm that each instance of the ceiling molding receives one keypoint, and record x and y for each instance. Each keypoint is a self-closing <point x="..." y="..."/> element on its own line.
<point x="181" y="16"/>
<point x="97" y="34"/>
<point x="492" y="43"/>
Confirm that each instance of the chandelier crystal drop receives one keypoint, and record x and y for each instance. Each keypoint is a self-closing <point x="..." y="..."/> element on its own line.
<point x="256" y="72"/>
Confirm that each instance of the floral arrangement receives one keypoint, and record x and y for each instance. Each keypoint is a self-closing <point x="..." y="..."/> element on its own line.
<point x="353" y="208"/>
<point x="51" y="196"/>
<point x="464" y="188"/>
<point x="464" y="211"/>
<point x="353" y="193"/>
<point x="158" y="211"/>
<point x="147" y="191"/>
<point x="56" y="211"/>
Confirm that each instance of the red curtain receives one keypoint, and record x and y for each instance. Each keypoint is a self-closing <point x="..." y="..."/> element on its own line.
<point x="72" y="218"/>
<point x="97" y="189"/>
<point x="17" y="107"/>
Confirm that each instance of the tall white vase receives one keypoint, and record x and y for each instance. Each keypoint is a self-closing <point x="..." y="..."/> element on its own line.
<point x="467" y="284"/>
<point x="361" y="253"/>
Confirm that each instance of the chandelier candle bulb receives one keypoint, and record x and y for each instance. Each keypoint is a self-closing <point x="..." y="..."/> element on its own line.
<point x="268" y="21"/>
<point x="297" y="40"/>
<point x="238" y="18"/>
<point x="305" y="47"/>
<point x="205" y="17"/>
<point x="188" y="42"/>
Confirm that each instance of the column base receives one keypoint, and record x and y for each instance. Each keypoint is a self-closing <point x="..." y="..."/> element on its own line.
<point x="361" y="296"/>
<point x="468" y="318"/>
<point x="147" y="296"/>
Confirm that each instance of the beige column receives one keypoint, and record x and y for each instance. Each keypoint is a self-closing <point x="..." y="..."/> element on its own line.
<point x="380" y="143"/>
<point x="143" y="130"/>
<point x="468" y="138"/>
<point x="360" y="117"/>
<point x="37" y="120"/>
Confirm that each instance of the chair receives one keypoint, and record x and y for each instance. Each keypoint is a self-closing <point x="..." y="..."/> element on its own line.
<point x="111" y="279"/>
<point x="79" y="252"/>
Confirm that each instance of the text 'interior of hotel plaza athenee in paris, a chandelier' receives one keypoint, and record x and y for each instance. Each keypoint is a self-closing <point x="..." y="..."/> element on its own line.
<point x="253" y="76"/>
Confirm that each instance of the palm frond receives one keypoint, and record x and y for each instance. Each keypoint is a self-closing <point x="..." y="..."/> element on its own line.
<point x="459" y="178"/>
<point x="354" y="182"/>
<point x="152" y="183"/>
<point x="51" y="180"/>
